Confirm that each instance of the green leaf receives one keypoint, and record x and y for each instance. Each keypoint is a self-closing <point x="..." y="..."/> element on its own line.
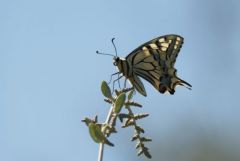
<point x="135" y="137"/>
<point x="130" y="95"/>
<point x="143" y="139"/>
<point x="119" y="102"/>
<point x="139" y="129"/>
<point x="108" y="100"/>
<point x="138" y="145"/>
<point x="133" y="104"/>
<point x="141" y="151"/>
<point x="106" y="90"/>
<point x="95" y="119"/>
<point x="97" y="134"/>
<point x="128" y="123"/>
<point x="147" y="154"/>
<point x="144" y="151"/>
<point x="140" y="116"/>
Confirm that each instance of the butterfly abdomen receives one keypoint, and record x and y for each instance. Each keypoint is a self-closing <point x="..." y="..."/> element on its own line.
<point x="126" y="69"/>
<point x="166" y="84"/>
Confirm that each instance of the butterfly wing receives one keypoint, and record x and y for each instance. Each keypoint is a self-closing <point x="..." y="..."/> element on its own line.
<point x="154" y="61"/>
<point x="138" y="85"/>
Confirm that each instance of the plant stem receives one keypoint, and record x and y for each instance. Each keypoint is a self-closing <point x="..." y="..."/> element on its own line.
<point x="100" y="152"/>
<point x="101" y="145"/>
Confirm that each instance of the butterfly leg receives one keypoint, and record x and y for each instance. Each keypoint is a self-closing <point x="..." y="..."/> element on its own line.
<point x="119" y="82"/>
<point x="112" y="76"/>
<point x="115" y="81"/>
<point x="125" y="83"/>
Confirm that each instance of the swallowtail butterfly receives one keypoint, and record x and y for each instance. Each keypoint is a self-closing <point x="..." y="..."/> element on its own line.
<point x="153" y="61"/>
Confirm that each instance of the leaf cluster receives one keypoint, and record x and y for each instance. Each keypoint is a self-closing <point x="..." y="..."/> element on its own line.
<point x="128" y="119"/>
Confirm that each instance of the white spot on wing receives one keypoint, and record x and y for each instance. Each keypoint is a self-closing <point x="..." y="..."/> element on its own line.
<point x="163" y="48"/>
<point x="146" y="53"/>
<point x="164" y="44"/>
<point x="162" y="40"/>
<point x="153" y="46"/>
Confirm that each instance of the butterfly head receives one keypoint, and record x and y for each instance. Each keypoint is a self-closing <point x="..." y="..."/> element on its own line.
<point x="116" y="60"/>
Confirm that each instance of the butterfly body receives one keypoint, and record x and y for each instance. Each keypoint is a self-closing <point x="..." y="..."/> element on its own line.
<point x="126" y="69"/>
<point x="153" y="61"/>
<point x="123" y="66"/>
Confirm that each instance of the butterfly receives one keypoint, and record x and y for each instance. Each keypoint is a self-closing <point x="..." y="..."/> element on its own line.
<point x="153" y="61"/>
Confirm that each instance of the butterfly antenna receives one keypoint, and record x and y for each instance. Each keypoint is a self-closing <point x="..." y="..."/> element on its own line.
<point x="114" y="46"/>
<point x="104" y="53"/>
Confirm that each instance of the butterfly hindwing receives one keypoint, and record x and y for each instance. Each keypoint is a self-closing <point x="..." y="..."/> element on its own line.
<point x="138" y="85"/>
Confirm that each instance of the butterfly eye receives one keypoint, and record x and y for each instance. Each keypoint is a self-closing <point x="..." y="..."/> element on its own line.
<point x="115" y="63"/>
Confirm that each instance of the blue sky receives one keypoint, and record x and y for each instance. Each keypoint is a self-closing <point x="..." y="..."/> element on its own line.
<point x="50" y="77"/>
